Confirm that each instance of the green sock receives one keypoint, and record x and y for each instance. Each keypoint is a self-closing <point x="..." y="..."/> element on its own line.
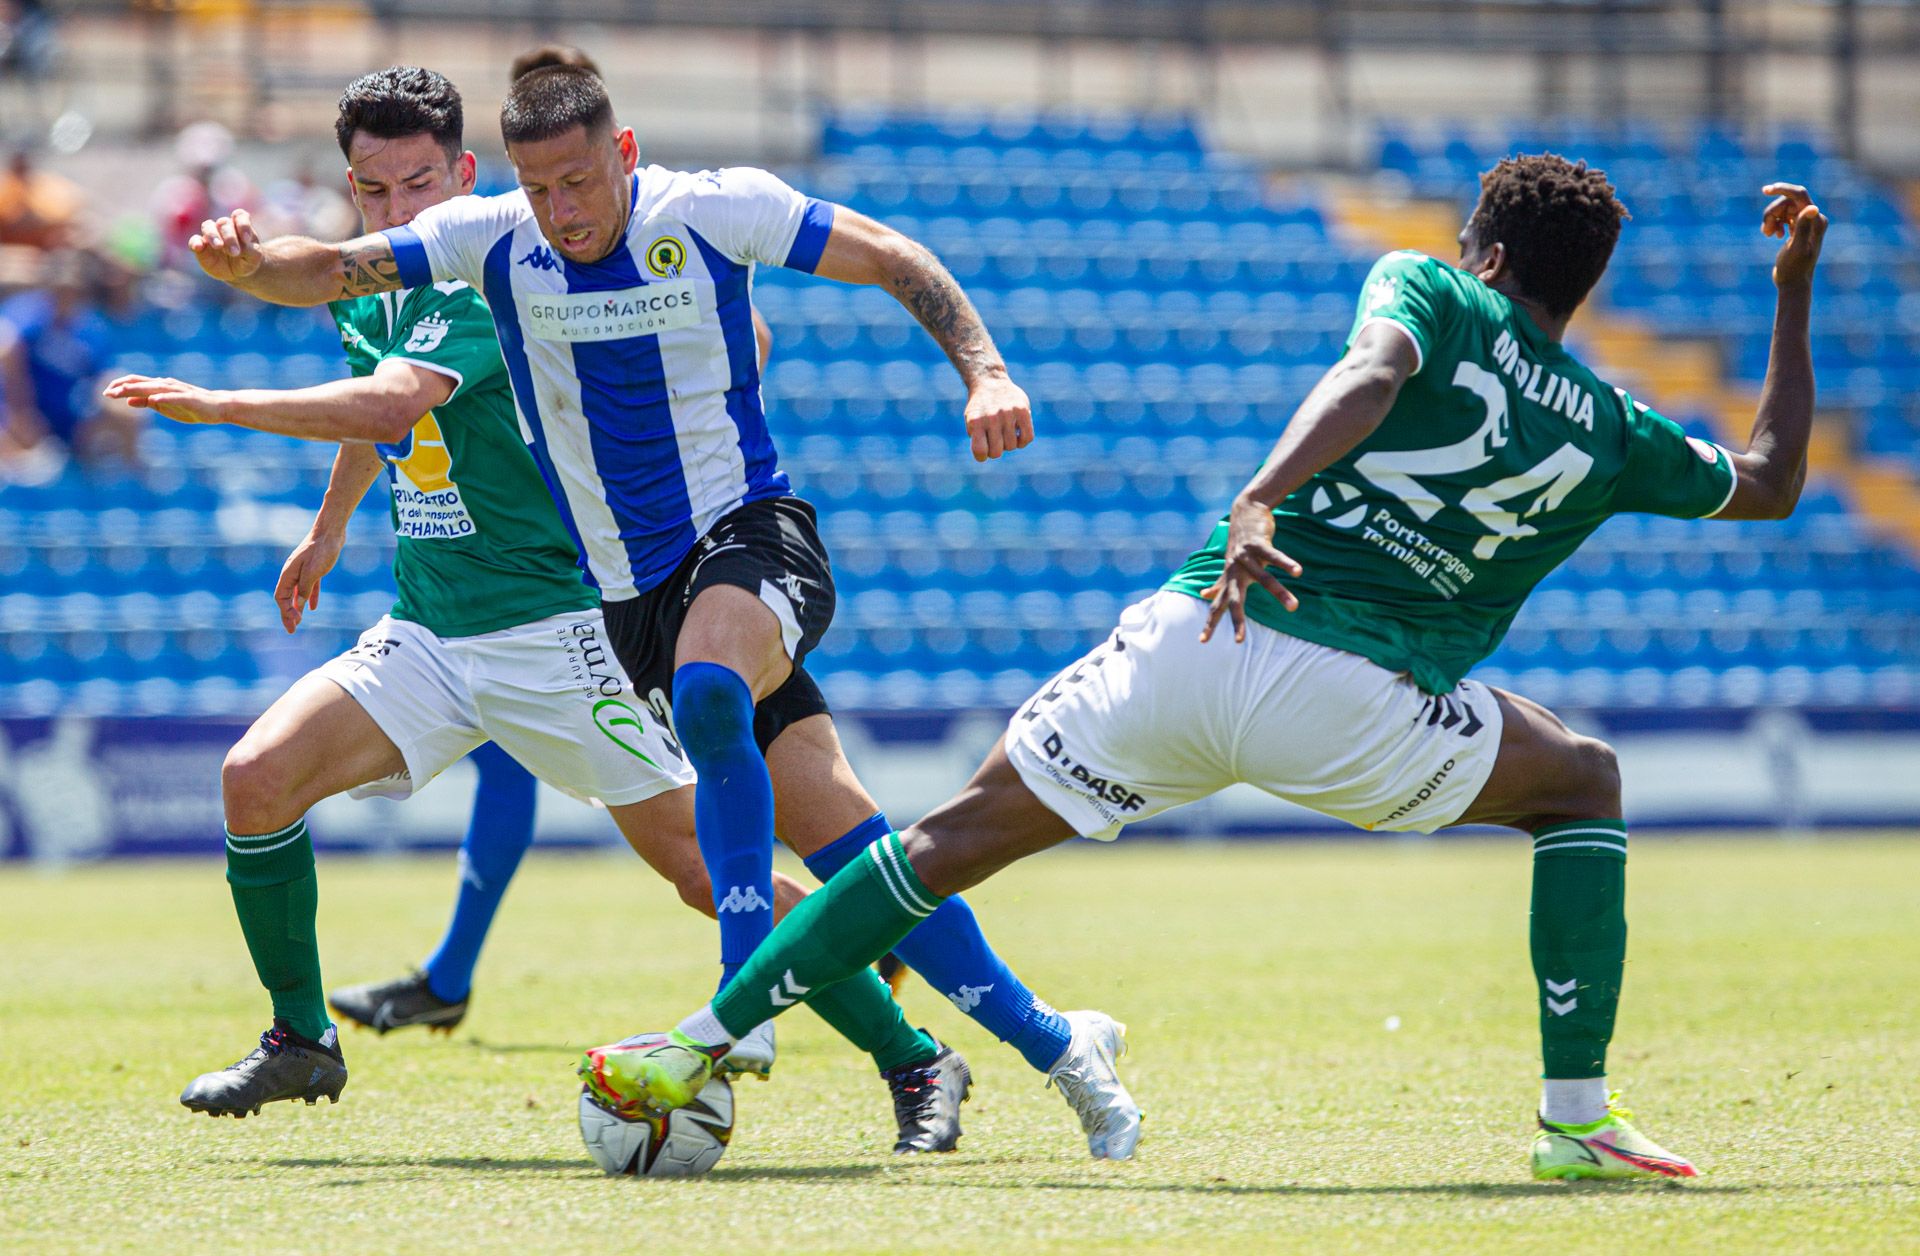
<point x="861" y="1009"/>
<point x="277" y="896"/>
<point x="1579" y="936"/>
<point x="833" y="933"/>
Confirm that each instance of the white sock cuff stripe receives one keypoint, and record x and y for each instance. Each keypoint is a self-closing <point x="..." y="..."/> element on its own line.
<point x="889" y="878"/>
<point x="897" y="855"/>
<point x="1618" y="835"/>
<point x="299" y="831"/>
<point x="301" y="823"/>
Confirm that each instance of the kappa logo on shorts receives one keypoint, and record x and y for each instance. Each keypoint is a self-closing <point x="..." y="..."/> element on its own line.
<point x="791" y="586"/>
<point x="1123" y="797"/>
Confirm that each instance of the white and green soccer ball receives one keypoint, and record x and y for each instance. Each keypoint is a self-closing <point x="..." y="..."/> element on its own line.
<point x="685" y="1143"/>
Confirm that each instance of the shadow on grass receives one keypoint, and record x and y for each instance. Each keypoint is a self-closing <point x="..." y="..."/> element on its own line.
<point x="567" y="1167"/>
<point x="523" y="1048"/>
<point x="1468" y="1190"/>
<point x="799" y="1173"/>
<point x="465" y="1164"/>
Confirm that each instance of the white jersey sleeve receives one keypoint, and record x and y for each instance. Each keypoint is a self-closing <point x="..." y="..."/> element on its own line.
<point x="752" y="216"/>
<point x="451" y="240"/>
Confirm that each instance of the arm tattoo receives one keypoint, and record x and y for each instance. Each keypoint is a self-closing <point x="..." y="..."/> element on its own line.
<point x="367" y="266"/>
<point x="929" y="290"/>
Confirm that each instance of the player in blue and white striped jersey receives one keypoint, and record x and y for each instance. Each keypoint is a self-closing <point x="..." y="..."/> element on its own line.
<point x="620" y="295"/>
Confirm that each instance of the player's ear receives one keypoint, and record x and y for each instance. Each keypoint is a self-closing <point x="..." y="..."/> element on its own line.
<point x="1493" y="265"/>
<point x="466" y="171"/>
<point x="629" y="150"/>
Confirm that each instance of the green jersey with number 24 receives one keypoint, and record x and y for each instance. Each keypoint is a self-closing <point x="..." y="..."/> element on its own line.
<point x="1500" y="456"/>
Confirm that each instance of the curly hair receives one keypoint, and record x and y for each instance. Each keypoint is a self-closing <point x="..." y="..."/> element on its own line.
<point x="398" y="101"/>
<point x="1559" y="221"/>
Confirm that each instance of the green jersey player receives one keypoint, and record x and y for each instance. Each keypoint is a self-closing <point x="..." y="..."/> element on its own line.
<point x="1451" y="459"/>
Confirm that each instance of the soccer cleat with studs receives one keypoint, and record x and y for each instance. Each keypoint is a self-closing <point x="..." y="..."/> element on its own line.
<point x="284" y="1066"/>
<point x="386" y="1005"/>
<point x="752" y="1056"/>
<point x="648" y="1075"/>
<point x="1609" y="1149"/>
<point x="1088" y="1077"/>
<point x="926" y="1101"/>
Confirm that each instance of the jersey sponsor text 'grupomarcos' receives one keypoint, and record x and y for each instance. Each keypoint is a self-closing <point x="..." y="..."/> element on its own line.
<point x="637" y="376"/>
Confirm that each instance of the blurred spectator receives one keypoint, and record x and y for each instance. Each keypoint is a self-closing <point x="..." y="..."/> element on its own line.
<point x="37" y="208"/>
<point x="206" y="187"/>
<point x="26" y="39"/>
<point x="55" y="342"/>
<point x="304" y="205"/>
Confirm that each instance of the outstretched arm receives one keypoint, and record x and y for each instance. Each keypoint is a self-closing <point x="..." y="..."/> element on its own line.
<point x="1774" y="467"/>
<point x="369" y="409"/>
<point x="293" y="270"/>
<point x="1342" y="410"/>
<point x="862" y="251"/>
<point x="355" y="468"/>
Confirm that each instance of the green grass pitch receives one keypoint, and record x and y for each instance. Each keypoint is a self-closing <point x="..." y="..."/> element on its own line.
<point x="1771" y="1031"/>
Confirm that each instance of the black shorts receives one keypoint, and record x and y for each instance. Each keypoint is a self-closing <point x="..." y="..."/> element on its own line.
<point x="771" y="549"/>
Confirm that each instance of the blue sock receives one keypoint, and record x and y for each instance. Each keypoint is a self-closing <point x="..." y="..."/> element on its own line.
<point x="948" y="949"/>
<point x="732" y="804"/>
<point x="497" y="836"/>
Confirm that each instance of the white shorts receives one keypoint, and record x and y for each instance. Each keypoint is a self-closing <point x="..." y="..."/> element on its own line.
<point x="549" y="693"/>
<point x="1151" y="719"/>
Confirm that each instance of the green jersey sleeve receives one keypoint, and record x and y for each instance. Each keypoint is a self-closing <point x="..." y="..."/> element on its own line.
<point x="1411" y="291"/>
<point x="446" y="328"/>
<point x="1668" y="472"/>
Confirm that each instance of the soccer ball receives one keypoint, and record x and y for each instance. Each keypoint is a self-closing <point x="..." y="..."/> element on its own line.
<point x="684" y="1143"/>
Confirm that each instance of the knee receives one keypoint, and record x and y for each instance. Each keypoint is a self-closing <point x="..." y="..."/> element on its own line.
<point x="1596" y="777"/>
<point x="695" y="890"/>
<point x="712" y="707"/>
<point x="254" y="788"/>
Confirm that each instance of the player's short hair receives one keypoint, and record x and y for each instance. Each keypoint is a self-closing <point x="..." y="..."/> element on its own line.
<point x="546" y="56"/>
<point x="398" y="101"/>
<point x="1559" y="221"/>
<point x="553" y="101"/>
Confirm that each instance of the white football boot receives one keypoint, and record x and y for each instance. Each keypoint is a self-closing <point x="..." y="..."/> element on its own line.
<point x="1087" y="1075"/>
<point x="752" y="1055"/>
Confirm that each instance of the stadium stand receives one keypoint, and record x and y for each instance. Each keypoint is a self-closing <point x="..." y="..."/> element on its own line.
<point x="1166" y="307"/>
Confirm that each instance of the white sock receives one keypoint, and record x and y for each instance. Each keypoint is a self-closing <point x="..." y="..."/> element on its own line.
<point x="1578" y="1102"/>
<point x="705" y="1028"/>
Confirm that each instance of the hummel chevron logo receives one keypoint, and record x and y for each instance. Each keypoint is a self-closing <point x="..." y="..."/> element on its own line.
<point x="1447" y="711"/>
<point x="793" y="988"/>
<point x="1561" y="1007"/>
<point x="540" y="257"/>
<point x="743" y="898"/>
<point x="966" y="998"/>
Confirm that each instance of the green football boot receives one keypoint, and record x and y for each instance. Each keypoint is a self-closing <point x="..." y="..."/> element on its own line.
<point x="1609" y="1149"/>
<point x="649" y="1074"/>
